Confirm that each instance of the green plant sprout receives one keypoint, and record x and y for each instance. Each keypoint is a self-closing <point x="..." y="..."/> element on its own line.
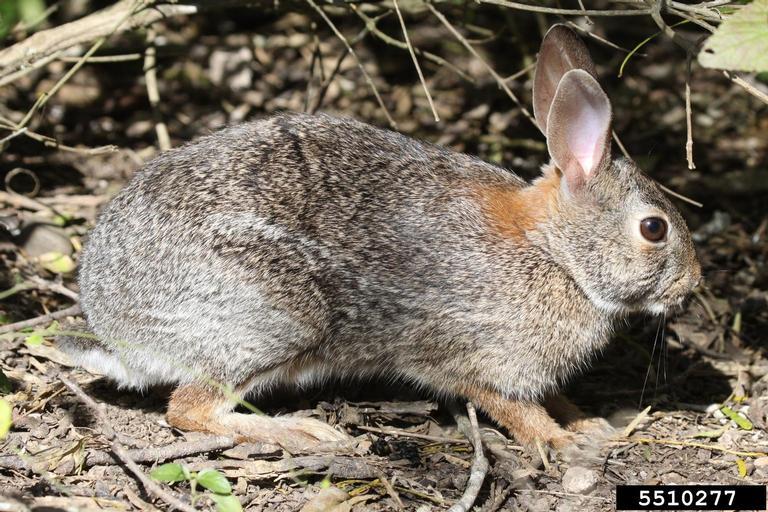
<point x="210" y="479"/>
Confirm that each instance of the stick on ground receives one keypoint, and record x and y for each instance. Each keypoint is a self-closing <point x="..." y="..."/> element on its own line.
<point x="153" y="488"/>
<point x="479" y="466"/>
<point x="39" y="320"/>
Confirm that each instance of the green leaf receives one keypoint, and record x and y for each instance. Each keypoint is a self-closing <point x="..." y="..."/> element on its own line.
<point x="741" y="467"/>
<point x="226" y="503"/>
<point x="9" y="16"/>
<point x="737" y="418"/>
<point x="710" y="434"/>
<point x="214" y="481"/>
<point x="5" y="384"/>
<point x="31" y="11"/>
<point x="740" y="43"/>
<point x="170" y="472"/>
<point x="6" y="418"/>
<point x="56" y="262"/>
<point x="34" y="340"/>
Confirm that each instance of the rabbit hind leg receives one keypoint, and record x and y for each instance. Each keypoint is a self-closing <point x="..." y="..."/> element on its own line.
<point x="199" y="408"/>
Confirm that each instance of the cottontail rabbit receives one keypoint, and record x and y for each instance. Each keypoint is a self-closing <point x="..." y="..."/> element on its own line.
<point x="299" y="247"/>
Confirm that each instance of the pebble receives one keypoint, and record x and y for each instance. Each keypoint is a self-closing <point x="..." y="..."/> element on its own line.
<point x="761" y="465"/>
<point x="579" y="480"/>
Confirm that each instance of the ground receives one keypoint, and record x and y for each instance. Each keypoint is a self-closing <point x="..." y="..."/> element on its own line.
<point x="229" y="67"/>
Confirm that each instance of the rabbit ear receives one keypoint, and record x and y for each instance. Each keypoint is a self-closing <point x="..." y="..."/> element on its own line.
<point x="579" y="122"/>
<point x="561" y="51"/>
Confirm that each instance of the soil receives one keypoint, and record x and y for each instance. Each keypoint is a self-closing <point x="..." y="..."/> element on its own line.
<point x="231" y="66"/>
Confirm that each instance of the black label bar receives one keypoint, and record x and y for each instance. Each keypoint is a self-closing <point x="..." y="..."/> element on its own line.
<point x="690" y="497"/>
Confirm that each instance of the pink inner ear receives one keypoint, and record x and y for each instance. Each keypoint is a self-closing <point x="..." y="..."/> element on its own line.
<point x="579" y="126"/>
<point x="587" y="136"/>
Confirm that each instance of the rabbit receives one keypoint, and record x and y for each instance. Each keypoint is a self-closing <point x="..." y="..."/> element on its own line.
<point x="299" y="248"/>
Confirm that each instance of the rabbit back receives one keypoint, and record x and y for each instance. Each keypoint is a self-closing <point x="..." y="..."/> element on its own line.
<point x="295" y="236"/>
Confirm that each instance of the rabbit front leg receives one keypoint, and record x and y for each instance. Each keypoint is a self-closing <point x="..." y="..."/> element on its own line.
<point x="199" y="408"/>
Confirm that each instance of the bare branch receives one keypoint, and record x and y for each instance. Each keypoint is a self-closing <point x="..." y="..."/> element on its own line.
<point x="120" y="452"/>
<point x="479" y="465"/>
<point x="415" y="61"/>
<point x="25" y="54"/>
<point x="357" y="60"/>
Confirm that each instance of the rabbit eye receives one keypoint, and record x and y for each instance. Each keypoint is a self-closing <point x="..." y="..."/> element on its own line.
<point x="653" y="229"/>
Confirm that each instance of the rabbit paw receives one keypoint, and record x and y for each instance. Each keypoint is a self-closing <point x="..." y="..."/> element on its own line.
<point x="588" y="438"/>
<point x="594" y="427"/>
<point x="294" y="434"/>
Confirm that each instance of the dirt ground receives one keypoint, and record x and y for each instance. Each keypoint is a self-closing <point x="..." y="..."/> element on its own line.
<point x="217" y="70"/>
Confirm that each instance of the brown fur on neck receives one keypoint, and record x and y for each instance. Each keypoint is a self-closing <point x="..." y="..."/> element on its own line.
<point x="515" y="211"/>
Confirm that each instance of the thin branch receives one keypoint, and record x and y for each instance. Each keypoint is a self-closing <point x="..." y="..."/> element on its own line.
<point x="97" y="59"/>
<point x="679" y="196"/>
<point x="567" y="12"/>
<point x="479" y="465"/>
<point x="153" y="488"/>
<point x="751" y="89"/>
<point x="41" y="45"/>
<point x="682" y="42"/>
<point x="415" y="61"/>
<point x="499" y="80"/>
<point x="415" y="435"/>
<point x="371" y="24"/>
<point x="42" y="319"/>
<point x="327" y="82"/>
<point x="688" y="120"/>
<point x="153" y="93"/>
<point x="357" y="60"/>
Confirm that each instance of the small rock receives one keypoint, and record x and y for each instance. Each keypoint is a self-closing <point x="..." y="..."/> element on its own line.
<point x="568" y="506"/>
<point x="579" y="480"/>
<point x="326" y="499"/>
<point x="672" y="478"/>
<point x="541" y="504"/>
<point x="761" y="465"/>
<point x="39" y="238"/>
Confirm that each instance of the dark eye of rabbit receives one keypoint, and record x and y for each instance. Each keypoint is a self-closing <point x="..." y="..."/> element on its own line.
<point x="653" y="229"/>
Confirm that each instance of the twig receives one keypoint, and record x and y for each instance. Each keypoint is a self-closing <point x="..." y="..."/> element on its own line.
<point x="7" y="124"/>
<point x="153" y="94"/>
<point x="43" y="98"/>
<point x="692" y="19"/>
<point x="479" y="466"/>
<point x="50" y="317"/>
<point x="38" y="283"/>
<point x="688" y="121"/>
<point x="367" y="77"/>
<point x="751" y="89"/>
<point x="43" y="284"/>
<point x="391" y="490"/>
<point x="151" y="455"/>
<point x="167" y="452"/>
<point x="370" y="23"/>
<point x="20" y="201"/>
<point x="680" y="196"/>
<point x="415" y="61"/>
<point x="714" y="447"/>
<point x="13" y="135"/>
<point x="96" y="59"/>
<point x="327" y="82"/>
<point x="415" y="435"/>
<point x="25" y="55"/>
<point x="668" y="31"/>
<point x="567" y="12"/>
<point x="151" y="487"/>
<point x="499" y="80"/>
